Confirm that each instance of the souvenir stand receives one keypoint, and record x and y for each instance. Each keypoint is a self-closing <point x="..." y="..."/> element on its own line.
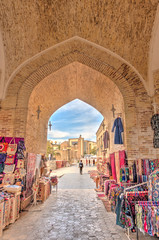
<point x="131" y="191"/>
<point x="125" y="187"/>
<point x="17" y="173"/>
<point x="12" y="163"/>
<point x="147" y="212"/>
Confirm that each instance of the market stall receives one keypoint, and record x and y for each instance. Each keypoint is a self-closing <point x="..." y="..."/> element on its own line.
<point x="131" y="191"/>
<point x="18" y="173"/>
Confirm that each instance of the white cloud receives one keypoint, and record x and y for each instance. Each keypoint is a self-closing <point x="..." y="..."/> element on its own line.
<point x="57" y="134"/>
<point x="85" y="121"/>
<point x="86" y="132"/>
<point x="78" y="106"/>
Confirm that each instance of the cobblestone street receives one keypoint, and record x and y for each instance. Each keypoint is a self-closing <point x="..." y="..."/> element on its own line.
<point x="73" y="213"/>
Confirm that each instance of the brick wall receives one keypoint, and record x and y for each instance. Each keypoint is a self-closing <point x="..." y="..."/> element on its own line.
<point x="73" y="81"/>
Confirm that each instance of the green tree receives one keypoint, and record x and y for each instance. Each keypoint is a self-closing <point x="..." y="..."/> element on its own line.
<point x="93" y="151"/>
<point x="50" y="149"/>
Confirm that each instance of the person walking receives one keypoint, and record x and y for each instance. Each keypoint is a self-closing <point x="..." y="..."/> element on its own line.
<point x="81" y="166"/>
<point x="93" y="162"/>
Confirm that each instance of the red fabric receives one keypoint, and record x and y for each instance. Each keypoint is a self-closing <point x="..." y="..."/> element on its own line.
<point x="3" y="147"/>
<point x="122" y="158"/>
<point x="8" y="139"/>
<point x="112" y="160"/>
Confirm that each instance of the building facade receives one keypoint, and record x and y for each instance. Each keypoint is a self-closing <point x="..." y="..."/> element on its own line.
<point x="75" y="148"/>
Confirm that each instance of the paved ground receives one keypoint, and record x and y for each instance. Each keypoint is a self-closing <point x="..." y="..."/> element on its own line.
<point x="73" y="213"/>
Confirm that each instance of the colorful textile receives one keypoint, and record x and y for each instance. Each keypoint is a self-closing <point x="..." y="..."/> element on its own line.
<point x="20" y="163"/>
<point x="12" y="147"/>
<point x="147" y="217"/>
<point x="9" y="168"/>
<point x="124" y="174"/>
<point x="154" y="164"/>
<point x="118" y="130"/>
<point x="155" y="127"/>
<point x="1" y="167"/>
<point x="118" y="210"/>
<point x="146" y="167"/>
<point x="126" y="217"/>
<point x="3" y="157"/>
<point x="122" y="158"/>
<point x="3" y="145"/>
<point x="10" y="159"/>
<point x="30" y="172"/>
<point x="107" y="186"/>
<point x="132" y="197"/>
<point x="114" y="192"/>
<point x="117" y="166"/>
<point x="134" y="173"/>
<point x="153" y="186"/>
<point x="8" y="139"/>
<point x="112" y="160"/>
<point x="8" y="179"/>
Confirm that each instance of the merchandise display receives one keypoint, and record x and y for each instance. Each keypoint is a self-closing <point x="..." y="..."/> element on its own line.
<point x="17" y="174"/>
<point x="131" y="191"/>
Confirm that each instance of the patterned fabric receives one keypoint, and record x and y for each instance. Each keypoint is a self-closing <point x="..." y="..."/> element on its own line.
<point x="112" y="160"/>
<point x="126" y="217"/>
<point x="124" y="174"/>
<point x="153" y="186"/>
<point x="8" y="179"/>
<point x="1" y="167"/>
<point x="146" y="167"/>
<point x="9" y="159"/>
<point x="107" y="186"/>
<point x="154" y="164"/>
<point x="132" y="197"/>
<point x="3" y="145"/>
<point x="12" y="148"/>
<point x="9" y="168"/>
<point x="115" y="190"/>
<point x="30" y="172"/>
<point x="155" y="127"/>
<point x="20" y="163"/>
<point x="134" y="173"/>
<point x="122" y="158"/>
<point x="17" y="173"/>
<point x="147" y="218"/>
<point x="3" y="157"/>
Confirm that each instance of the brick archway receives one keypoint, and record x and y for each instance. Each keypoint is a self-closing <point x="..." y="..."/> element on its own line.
<point x="121" y="73"/>
<point x="68" y="83"/>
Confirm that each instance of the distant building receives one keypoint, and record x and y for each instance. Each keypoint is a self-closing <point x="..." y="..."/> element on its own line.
<point x="75" y="148"/>
<point x="99" y="138"/>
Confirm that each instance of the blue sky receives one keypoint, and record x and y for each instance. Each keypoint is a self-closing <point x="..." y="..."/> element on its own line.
<point x="73" y="119"/>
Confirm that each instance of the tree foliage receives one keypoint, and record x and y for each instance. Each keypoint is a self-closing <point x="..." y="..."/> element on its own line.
<point x="93" y="151"/>
<point x="50" y="149"/>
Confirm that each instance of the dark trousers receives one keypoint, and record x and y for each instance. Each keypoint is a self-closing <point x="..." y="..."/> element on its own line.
<point x="80" y="170"/>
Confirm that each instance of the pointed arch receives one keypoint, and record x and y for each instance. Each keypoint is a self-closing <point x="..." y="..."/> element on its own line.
<point x="73" y="49"/>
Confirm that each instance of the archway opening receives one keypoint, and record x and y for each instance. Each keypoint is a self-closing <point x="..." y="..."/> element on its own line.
<point x="74" y="81"/>
<point x="67" y="125"/>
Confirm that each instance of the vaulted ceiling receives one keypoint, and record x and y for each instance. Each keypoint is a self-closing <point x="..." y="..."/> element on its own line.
<point x="127" y="28"/>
